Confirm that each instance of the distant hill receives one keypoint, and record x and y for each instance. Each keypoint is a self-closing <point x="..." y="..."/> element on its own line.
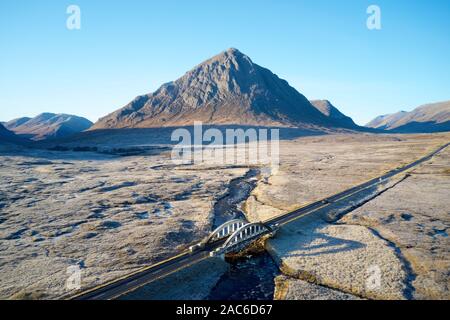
<point x="9" y="136"/>
<point x="382" y="122"/>
<point x="48" y="125"/>
<point x="428" y="118"/>
<point x="16" y="122"/>
<point x="4" y="133"/>
<point x="226" y="89"/>
<point x="330" y="111"/>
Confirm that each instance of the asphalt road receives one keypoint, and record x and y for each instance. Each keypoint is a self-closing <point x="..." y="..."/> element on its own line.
<point x="154" y="272"/>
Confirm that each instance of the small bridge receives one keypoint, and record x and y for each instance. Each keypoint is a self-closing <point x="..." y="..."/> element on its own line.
<point x="239" y="234"/>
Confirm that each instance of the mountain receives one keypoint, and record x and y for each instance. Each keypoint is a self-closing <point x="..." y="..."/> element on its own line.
<point x="428" y="118"/>
<point x="9" y="136"/>
<point x="330" y="111"/>
<point x="226" y="89"/>
<point x="48" y="125"/>
<point x="4" y="133"/>
<point x="383" y="121"/>
<point x="16" y="122"/>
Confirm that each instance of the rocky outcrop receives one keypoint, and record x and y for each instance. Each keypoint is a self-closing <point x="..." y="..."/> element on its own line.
<point x="330" y="111"/>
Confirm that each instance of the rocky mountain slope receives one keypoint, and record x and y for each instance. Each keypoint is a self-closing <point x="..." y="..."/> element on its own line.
<point x="16" y="122"/>
<point x="9" y="136"/>
<point x="330" y="111"/>
<point x="226" y="89"/>
<point x="5" y="133"/>
<point x="48" y="125"/>
<point x="427" y="118"/>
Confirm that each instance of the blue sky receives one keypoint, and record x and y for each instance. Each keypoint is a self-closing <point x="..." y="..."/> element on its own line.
<point x="127" y="48"/>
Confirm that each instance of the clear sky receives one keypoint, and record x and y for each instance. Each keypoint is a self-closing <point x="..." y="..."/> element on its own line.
<point x="126" y="48"/>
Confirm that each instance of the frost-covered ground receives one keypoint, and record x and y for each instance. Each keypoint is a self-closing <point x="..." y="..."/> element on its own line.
<point x="401" y="233"/>
<point x="107" y="215"/>
<point x="110" y="215"/>
<point x="313" y="168"/>
<point x="414" y="217"/>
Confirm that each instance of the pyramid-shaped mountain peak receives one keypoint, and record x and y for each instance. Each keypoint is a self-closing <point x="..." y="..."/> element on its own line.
<point x="225" y="89"/>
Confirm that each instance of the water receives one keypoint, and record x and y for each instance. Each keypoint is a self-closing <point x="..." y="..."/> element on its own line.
<point x="250" y="278"/>
<point x="227" y="208"/>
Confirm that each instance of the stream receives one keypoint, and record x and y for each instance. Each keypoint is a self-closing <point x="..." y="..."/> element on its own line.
<point x="252" y="277"/>
<point x="227" y="208"/>
<point x="247" y="278"/>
